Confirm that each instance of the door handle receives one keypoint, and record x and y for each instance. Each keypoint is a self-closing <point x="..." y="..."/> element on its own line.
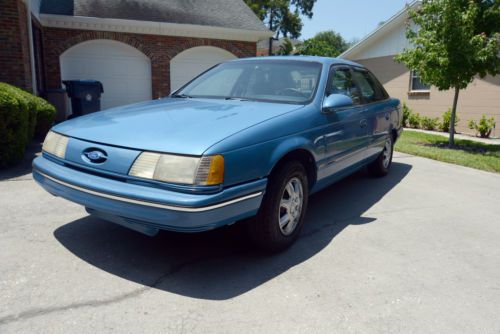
<point x="363" y="123"/>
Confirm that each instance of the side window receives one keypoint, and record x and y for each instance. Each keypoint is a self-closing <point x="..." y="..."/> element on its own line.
<point x="371" y="91"/>
<point x="341" y="82"/>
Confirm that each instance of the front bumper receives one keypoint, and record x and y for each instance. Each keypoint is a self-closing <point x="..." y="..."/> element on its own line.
<point x="148" y="209"/>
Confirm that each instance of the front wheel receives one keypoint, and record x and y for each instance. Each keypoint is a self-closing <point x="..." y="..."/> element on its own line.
<point x="381" y="166"/>
<point x="281" y="216"/>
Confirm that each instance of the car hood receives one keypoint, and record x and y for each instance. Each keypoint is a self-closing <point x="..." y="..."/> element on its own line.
<point x="183" y="126"/>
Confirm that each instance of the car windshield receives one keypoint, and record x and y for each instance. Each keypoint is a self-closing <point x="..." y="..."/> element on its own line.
<point x="282" y="81"/>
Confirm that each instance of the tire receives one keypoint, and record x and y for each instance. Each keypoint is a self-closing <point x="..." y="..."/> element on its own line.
<point x="381" y="166"/>
<point x="288" y="182"/>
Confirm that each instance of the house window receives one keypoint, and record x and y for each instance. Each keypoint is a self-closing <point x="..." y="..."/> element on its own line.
<point x="416" y="85"/>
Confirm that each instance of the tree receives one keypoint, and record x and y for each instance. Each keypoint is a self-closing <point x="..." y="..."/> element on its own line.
<point x="455" y="41"/>
<point x="282" y="16"/>
<point x="326" y="44"/>
<point x="286" y="48"/>
<point x="353" y="41"/>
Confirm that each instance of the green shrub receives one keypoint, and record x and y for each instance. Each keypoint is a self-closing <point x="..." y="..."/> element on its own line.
<point x="27" y="98"/>
<point x="42" y="113"/>
<point x="414" y="120"/>
<point x="45" y="116"/>
<point x="429" y="123"/>
<point x="14" y="118"/>
<point x="407" y="112"/>
<point x="484" y="127"/>
<point x="22" y="115"/>
<point x="445" y="124"/>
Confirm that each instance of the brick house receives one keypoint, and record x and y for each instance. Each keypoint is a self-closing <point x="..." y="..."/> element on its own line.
<point x="377" y="51"/>
<point x="138" y="49"/>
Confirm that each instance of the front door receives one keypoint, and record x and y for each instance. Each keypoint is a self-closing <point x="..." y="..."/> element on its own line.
<point x="345" y="135"/>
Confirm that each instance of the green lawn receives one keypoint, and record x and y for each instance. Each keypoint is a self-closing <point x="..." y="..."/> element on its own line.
<point x="466" y="153"/>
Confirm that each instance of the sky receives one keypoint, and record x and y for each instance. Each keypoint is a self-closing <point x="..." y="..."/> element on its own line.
<point x="351" y="18"/>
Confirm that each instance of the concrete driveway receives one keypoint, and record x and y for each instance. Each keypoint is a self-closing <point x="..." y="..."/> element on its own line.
<point x="415" y="252"/>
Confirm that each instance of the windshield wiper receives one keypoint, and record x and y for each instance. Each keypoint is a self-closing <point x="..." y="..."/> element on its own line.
<point x="182" y="96"/>
<point x="236" y="98"/>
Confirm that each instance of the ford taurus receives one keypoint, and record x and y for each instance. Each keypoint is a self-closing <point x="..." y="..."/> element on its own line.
<point x="249" y="140"/>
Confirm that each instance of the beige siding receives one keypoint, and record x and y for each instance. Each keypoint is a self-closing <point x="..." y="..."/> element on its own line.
<point x="481" y="97"/>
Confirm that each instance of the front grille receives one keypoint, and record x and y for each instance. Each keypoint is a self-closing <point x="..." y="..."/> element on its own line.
<point x="96" y="173"/>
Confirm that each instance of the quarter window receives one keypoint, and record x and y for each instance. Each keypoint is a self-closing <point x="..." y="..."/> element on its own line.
<point x="416" y="85"/>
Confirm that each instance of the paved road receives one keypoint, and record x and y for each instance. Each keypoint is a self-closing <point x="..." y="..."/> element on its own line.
<point x="415" y="252"/>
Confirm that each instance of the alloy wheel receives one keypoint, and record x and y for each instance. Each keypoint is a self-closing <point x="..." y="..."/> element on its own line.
<point x="291" y="204"/>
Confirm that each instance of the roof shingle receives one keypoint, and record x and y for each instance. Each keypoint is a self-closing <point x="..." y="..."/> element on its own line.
<point x="218" y="13"/>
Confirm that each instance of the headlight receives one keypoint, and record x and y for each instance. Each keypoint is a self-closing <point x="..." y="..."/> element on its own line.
<point x="207" y="170"/>
<point x="55" y="144"/>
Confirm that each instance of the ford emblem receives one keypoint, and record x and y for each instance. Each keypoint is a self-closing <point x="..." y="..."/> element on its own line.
<point x="95" y="155"/>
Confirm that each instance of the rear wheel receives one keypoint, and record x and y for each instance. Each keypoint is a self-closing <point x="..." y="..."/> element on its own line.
<point x="381" y="166"/>
<point x="281" y="215"/>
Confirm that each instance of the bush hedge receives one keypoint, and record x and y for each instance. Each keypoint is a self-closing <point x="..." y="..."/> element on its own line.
<point x="429" y="123"/>
<point x="20" y="95"/>
<point x="414" y="120"/>
<point x="14" y="117"/>
<point x="45" y="116"/>
<point x="22" y="116"/>
<point x="445" y="124"/>
<point x="483" y="127"/>
<point x="406" y="115"/>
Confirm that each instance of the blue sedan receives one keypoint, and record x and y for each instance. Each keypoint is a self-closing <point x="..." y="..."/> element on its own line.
<point x="249" y="140"/>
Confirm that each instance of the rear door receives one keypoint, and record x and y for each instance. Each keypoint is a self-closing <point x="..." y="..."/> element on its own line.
<point x="376" y="110"/>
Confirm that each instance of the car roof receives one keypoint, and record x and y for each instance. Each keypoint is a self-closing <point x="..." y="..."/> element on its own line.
<point x="323" y="60"/>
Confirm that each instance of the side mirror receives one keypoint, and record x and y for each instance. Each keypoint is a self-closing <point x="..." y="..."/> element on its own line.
<point x="335" y="102"/>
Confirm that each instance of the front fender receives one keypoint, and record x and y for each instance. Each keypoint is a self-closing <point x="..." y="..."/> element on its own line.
<point x="293" y="144"/>
<point x="257" y="161"/>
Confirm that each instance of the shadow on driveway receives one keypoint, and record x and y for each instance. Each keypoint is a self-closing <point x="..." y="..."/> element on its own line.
<point x="221" y="264"/>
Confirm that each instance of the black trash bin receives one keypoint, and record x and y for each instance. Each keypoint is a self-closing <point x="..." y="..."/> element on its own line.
<point x="85" y="96"/>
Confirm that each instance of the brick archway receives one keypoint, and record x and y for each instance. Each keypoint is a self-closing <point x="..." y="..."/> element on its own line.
<point x="222" y="44"/>
<point x="93" y="35"/>
<point x="191" y="62"/>
<point x="57" y="41"/>
<point x="159" y="49"/>
<point x="124" y="71"/>
<point x="175" y="45"/>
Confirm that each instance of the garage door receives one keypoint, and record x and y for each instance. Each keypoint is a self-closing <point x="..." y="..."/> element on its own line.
<point x="124" y="71"/>
<point x="190" y="63"/>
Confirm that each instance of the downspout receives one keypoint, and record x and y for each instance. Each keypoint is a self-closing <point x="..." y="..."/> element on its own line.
<point x="32" y="52"/>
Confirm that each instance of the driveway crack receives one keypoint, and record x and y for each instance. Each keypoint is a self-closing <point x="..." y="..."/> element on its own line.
<point x="42" y="311"/>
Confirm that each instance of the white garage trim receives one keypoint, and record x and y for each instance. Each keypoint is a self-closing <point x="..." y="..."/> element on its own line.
<point x="124" y="71"/>
<point x="191" y="62"/>
<point x="152" y="28"/>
